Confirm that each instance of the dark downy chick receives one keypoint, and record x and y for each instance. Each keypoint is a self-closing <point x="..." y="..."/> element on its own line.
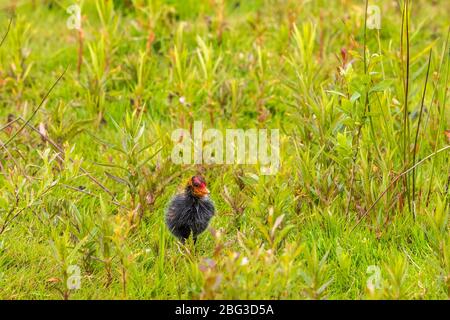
<point x="190" y="212"/>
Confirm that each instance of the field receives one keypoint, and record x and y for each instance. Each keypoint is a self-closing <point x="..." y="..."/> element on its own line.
<point x="91" y="92"/>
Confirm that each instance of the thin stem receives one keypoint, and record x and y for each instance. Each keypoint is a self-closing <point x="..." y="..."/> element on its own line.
<point x="36" y="110"/>
<point x="7" y="31"/>
<point x="446" y="50"/>
<point x="405" y="108"/>
<point x="61" y="157"/>
<point x="366" y="102"/>
<point x="395" y="180"/>
<point x="417" y="134"/>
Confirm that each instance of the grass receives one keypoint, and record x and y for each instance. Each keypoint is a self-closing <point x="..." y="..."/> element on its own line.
<point x="358" y="210"/>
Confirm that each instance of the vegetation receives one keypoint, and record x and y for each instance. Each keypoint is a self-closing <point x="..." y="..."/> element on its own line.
<point x="358" y="210"/>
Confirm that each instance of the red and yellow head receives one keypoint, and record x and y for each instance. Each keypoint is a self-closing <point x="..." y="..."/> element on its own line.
<point x="197" y="186"/>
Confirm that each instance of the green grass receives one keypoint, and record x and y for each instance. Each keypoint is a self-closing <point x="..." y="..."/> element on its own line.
<point x="92" y="190"/>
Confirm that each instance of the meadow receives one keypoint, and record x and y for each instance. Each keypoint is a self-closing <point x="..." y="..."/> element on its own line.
<point x="359" y="208"/>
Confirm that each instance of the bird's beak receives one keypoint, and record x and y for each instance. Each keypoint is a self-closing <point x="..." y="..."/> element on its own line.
<point x="201" y="192"/>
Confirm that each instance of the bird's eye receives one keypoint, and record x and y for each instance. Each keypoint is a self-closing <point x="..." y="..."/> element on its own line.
<point x="195" y="183"/>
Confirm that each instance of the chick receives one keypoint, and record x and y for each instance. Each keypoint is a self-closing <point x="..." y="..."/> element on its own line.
<point x="190" y="212"/>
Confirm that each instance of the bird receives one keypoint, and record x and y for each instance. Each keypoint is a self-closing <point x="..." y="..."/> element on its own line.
<point x="190" y="212"/>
